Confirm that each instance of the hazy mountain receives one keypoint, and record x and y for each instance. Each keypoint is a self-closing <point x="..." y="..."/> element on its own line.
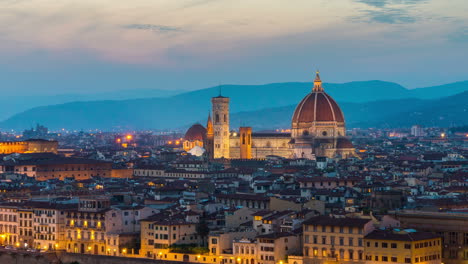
<point x="357" y="99"/>
<point x="15" y="104"/>
<point x="440" y="90"/>
<point x="445" y="112"/>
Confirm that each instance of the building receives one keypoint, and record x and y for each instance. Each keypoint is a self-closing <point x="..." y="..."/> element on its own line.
<point x="451" y="227"/>
<point x="318" y="126"/>
<point x="46" y="166"/>
<point x="417" y="131"/>
<point x="9" y="224"/>
<point x="195" y="136"/>
<point x="220" y="105"/>
<point x="160" y="231"/>
<point x="85" y="227"/>
<point x="29" y="146"/>
<point x="329" y="240"/>
<point x="402" y="246"/>
<point x="318" y="129"/>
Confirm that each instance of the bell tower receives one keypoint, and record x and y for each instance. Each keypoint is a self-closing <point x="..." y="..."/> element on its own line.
<point x="220" y="108"/>
<point x="209" y="137"/>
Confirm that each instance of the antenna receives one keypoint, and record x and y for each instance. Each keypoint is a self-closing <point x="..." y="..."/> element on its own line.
<point x="219" y="87"/>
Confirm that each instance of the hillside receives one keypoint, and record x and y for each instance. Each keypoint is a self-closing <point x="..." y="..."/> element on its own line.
<point x="358" y="100"/>
<point x="16" y="104"/>
<point x="445" y="112"/>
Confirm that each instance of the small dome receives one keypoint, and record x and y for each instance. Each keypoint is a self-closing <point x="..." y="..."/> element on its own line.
<point x="344" y="143"/>
<point x="195" y="132"/>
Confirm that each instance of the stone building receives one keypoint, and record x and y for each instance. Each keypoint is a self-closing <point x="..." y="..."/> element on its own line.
<point x="29" y="146"/>
<point x="318" y="129"/>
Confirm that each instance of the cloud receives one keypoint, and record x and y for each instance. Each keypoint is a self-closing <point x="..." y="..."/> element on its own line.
<point x="388" y="11"/>
<point x="387" y="16"/>
<point x="153" y="28"/>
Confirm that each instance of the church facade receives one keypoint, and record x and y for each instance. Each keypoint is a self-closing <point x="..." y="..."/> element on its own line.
<point x="317" y="129"/>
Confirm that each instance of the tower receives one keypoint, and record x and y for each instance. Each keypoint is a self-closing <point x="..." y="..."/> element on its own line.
<point x="209" y="137"/>
<point x="245" y="142"/>
<point x="220" y="108"/>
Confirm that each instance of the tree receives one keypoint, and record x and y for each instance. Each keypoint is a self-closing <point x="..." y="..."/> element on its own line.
<point x="203" y="230"/>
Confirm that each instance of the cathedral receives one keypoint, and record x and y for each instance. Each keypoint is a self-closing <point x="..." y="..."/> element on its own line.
<point x="317" y="130"/>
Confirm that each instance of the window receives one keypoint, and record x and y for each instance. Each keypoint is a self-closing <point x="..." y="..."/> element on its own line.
<point x="376" y="244"/>
<point x="394" y="245"/>
<point x="407" y="260"/>
<point x="384" y="245"/>
<point x="385" y="258"/>
<point x="407" y="246"/>
<point x="394" y="259"/>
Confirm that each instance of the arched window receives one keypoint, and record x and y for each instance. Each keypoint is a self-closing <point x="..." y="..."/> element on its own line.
<point x="217" y="118"/>
<point x="243" y="138"/>
<point x="225" y="118"/>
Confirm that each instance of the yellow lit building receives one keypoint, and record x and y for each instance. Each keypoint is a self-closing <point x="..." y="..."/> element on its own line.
<point x="28" y="146"/>
<point x="335" y="240"/>
<point x="85" y="231"/>
<point x="158" y="234"/>
<point x="9" y="225"/>
<point x="402" y="246"/>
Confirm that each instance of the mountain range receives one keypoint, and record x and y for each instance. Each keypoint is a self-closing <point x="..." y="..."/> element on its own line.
<point x="365" y="104"/>
<point x="15" y="104"/>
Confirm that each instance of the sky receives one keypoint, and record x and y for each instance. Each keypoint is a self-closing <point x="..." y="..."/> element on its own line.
<point x="88" y="46"/>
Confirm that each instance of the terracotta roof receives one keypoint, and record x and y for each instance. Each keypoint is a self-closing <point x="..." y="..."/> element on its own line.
<point x="195" y="132"/>
<point x="397" y="235"/>
<point x="317" y="106"/>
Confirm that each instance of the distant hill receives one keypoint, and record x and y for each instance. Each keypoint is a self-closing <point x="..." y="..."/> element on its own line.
<point x="444" y="112"/>
<point x="362" y="102"/>
<point x="434" y="92"/>
<point x="15" y="104"/>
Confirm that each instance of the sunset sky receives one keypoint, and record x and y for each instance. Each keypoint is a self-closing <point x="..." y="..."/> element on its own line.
<point x="50" y="46"/>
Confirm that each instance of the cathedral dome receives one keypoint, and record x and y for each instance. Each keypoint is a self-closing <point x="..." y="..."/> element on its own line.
<point x="317" y="106"/>
<point x="195" y="132"/>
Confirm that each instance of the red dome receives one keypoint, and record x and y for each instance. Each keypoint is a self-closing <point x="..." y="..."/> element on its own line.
<point x="195" y="132"/>
<point x="317" y="106"/>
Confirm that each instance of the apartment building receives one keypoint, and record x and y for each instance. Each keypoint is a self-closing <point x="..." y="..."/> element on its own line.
<point x="328" y="239"/>
<point x="402" y="246"/>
